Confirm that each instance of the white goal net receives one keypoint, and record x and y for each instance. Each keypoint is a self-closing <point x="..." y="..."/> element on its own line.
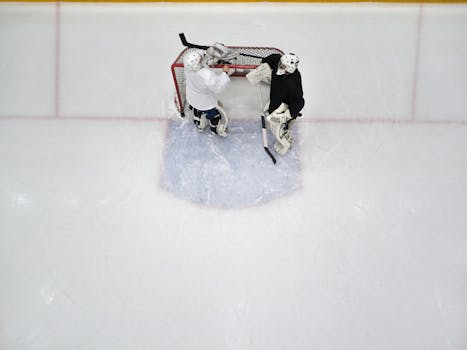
<point x="243" y="64"/>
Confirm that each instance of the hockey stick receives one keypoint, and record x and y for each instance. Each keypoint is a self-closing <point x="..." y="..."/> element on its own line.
<point x="204" y="47"/>
<point x="263" y="126"/>
<point x="190" y="45"/>
<point x="265" y="139"/>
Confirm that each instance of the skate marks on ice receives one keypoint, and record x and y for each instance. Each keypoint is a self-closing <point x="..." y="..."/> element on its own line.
<point x="232" y="172"/>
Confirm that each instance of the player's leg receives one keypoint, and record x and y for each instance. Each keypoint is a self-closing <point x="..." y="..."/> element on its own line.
<point x="279" y="125"/>
<point x="217" y="121"/>
<point x="199" y="119"/>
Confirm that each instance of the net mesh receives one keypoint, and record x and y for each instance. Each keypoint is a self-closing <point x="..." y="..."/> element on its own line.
<point x="243" y="64"/>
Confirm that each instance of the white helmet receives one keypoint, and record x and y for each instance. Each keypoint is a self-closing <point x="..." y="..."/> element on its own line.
<point x="288" y="64"/>
<point x="193" y="60"/>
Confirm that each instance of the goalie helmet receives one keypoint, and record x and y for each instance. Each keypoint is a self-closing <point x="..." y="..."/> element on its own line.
<point x="193" y="61"/>
<point x="287" y="64"/>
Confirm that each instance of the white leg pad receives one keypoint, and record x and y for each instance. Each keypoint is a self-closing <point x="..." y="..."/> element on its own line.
<point x="202" y="122"/>
<point x="281" y="148"/>
<point x="221" y="128"/>
<point x="275" y="128"/>
<point x="284" y="138"/>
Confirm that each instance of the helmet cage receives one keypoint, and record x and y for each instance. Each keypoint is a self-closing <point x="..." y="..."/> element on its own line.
<point x="288" y="63"/>
<point x="193" y="60"/>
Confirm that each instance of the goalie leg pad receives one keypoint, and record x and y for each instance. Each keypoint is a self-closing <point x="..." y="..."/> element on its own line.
<point x="278" y="122"/>
<point x="215" y="122"/>
<point x="284" y="142"/>
<point x="199" y="119"/>
<point x="223" y="122"/>
<point x="281" y="148"/>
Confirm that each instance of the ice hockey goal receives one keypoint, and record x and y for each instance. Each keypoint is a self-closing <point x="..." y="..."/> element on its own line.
<point x="242" y="66"/>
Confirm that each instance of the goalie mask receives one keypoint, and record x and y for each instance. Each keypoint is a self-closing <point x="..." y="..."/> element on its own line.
<point x="287" y="64"/>
<point x="193" y="61"/>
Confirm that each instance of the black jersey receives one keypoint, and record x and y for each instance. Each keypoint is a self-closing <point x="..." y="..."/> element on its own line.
<point x="285" y="88"/>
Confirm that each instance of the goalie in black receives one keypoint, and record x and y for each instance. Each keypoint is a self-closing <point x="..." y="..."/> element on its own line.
<point x="286" y="95"/>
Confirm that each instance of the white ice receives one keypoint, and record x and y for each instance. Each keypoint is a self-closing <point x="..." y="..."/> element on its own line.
<point x="370" y="253"/>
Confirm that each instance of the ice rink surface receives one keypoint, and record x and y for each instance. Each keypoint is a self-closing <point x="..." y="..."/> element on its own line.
<point x="366" y="248"/>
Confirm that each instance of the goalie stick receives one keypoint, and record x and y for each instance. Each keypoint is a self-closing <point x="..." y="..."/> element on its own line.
<point x="204" y="47"/>
<point x="263" y="126"/>
<point x="265" y="139"/>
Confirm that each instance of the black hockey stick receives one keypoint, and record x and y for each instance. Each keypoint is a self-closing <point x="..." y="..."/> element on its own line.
<point x="204" y="47"/>
<point x="265" y="139"/>
<point x="263" y="125"/>
<point x="187" y="44"/>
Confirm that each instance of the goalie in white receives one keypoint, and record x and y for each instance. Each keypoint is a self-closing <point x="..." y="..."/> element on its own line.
<point x="202" y="87"/>
<point x="286" y="95"/>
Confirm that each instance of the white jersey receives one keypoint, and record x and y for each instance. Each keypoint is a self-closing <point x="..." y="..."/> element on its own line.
<point x="202" y="87"/>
